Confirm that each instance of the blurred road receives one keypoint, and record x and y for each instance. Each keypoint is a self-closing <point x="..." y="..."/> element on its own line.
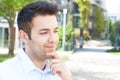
<point x="93" y="63"/>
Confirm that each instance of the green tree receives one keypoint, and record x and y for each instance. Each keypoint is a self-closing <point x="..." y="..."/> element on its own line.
<point x="111" y="31"/>
<point x="117" y="33"/>
<point x="68" y="34"/>
<point x="100" y="22"/>
<point x="84" y="9"/>
<point x="8" y="9"/>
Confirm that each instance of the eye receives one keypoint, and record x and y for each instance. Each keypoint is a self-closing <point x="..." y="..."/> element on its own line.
<point x="56" y="31"/>
<point x="44" y="32"/>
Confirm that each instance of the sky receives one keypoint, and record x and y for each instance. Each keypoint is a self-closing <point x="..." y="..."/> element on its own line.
<point x="112" y="6"/>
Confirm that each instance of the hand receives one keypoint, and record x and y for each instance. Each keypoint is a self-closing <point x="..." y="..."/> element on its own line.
<point x="59" y="67"/>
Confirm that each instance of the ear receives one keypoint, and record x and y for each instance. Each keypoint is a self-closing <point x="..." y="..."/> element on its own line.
<point x="23" y="36"/>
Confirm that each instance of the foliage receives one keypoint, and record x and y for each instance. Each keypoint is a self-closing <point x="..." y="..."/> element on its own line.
<point x="77" y="32"/>
<point x="86" y="35"/>
<point x="8" y="9"/>
<point x="84" y="9"/>
<point x="117" y="32"/>
<point x="117" y="27"/>
<point x="111" y="31"/>
<point x="114" y="32"/>
<point x="114" y="51"/>
<point x="68" y="33"/>
<point x="3" y="57"/>
<point x="100" y="22"/>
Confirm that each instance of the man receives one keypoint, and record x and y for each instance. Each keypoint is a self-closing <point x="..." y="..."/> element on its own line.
<point x="37" y="60"/>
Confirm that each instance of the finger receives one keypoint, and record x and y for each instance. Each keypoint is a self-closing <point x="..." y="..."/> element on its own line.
<point x="56" y="69"/>
<point x="52" y="55"/>
<point x="55" y="61"/>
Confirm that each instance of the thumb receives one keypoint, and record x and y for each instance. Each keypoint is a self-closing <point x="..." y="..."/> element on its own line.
<point x="53" y="55"/>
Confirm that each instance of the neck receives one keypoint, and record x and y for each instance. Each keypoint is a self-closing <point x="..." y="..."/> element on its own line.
<point x="36" y="60"/>
<point x="40" y="64"/>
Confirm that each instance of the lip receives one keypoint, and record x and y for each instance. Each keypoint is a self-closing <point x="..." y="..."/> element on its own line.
<point x="50" y="46"/>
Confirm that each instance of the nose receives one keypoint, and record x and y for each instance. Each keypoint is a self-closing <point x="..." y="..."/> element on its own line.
<point x="52" y="38"/>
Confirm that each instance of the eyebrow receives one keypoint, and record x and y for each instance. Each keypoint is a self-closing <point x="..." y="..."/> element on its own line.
<point x="46" y="29"/>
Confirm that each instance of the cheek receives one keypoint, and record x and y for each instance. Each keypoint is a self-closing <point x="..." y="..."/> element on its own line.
<point x="41" y="40"/>
<point x="37" y="39"/>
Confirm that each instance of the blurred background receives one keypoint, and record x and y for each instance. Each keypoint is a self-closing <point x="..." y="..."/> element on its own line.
<point x="85" y="26"/>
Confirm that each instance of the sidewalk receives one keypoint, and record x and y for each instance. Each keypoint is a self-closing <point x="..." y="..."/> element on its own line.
<point x="93" y="63"/>
<point x="5" y="50"/>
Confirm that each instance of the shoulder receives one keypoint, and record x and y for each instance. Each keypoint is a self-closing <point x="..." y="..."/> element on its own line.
<point x="10" y="63"/>
<point x="8" y="69"/>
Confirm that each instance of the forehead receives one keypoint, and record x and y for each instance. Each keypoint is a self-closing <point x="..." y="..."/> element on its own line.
<point x="45" y="21"/>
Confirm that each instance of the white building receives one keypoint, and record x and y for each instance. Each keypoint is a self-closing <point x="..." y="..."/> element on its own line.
<point x="4" y="27"/>
<point x="113" y="9"/>
<point x="114" y="16"/>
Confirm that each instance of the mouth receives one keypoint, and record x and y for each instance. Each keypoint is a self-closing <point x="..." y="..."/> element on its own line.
<point x="50" y="47"/>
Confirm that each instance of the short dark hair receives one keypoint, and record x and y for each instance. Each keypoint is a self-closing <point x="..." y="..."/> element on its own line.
<point x="32" y="10"/>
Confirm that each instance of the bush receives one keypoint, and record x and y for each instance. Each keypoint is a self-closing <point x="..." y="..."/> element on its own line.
<point x="3" y="57"/>
<point x="68" y="34"/>
<point x="86" y="35"/>
<point x="113" y="50"/>
<point x="117" y="32"/>
<point x="111" y="31"/>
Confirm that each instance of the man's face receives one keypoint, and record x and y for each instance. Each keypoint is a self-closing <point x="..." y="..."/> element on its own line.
<point x="44" y="36"/>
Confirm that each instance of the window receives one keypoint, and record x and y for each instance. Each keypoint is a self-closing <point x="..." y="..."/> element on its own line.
<point x="6" y="37"/>
<point x="76" y="22"/>
<point x="3" y="37"/>
<point x="1" y="41"/>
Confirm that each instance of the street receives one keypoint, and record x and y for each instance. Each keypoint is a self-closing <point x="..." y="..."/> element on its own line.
<point x="93" y="63"/>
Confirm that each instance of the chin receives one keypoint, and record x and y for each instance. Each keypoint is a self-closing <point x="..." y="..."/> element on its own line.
<point x="49" y="50"/>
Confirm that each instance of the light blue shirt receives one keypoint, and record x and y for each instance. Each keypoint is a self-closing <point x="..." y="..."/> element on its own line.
<point x="22" y="68"/>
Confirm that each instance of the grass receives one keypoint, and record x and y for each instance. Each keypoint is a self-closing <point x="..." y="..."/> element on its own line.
<point x="65" y="58"/>
<point x="3" y="57"/>
<point x="114" y="51"/>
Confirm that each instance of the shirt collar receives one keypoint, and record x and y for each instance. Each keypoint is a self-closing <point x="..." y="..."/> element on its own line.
<point x="28" y="65"/>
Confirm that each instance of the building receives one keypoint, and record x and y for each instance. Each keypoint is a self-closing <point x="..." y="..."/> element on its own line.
<point x="113" y="12"/>
<point x="78" y="35"/>
<point x="114" y="17"/>
<point x="4" y="31"/>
